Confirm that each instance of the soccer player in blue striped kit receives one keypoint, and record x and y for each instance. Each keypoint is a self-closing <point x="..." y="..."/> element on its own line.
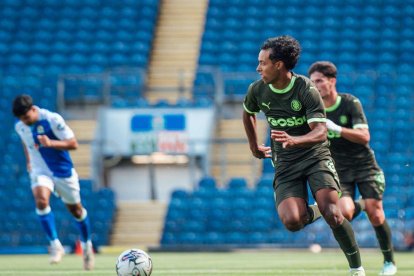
<point x="46" y="141"/>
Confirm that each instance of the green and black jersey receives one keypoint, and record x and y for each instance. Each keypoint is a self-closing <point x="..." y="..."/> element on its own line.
<point x="347" y="112"/>
<point x="290" y="110"/>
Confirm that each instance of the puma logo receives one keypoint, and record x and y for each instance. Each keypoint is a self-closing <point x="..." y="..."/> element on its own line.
<point x="267" y="105"/>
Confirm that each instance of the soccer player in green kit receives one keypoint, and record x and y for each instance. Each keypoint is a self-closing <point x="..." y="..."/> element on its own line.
<point x="354" y="159"/>
<point x="299" y="147"/>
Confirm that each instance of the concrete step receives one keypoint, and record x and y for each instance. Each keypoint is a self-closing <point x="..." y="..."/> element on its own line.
<point x="138" y="223"/>
<point x="126" y="238"/>
<point x="180" y="23"/>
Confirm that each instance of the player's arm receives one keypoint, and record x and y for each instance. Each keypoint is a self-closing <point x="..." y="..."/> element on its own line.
<point x="317" y="135"/>
<point x="66" y="138"/>
<point x="69" y="144"/>
<point x="359" y="133"/>
<point x="250" y="126"/>
<point x="26" y="153"/>
<point x="356" y="135"/>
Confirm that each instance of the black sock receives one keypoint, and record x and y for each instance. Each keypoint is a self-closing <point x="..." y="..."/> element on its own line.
<point x="358" y="209"/>
<point x="384" y="239"/>
<point x="346" y="240"/>
<point x="313" y="213"/>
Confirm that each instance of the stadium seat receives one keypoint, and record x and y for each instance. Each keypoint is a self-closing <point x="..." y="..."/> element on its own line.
<point x="237" y="183"/>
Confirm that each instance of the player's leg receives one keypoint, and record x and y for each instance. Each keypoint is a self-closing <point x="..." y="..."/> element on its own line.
<point x="293" y="213"/>
<point x="69" y="190"/>
<point x="372" y="193"/>
<point x="324" y="184"/>
<point x="82" y="219"/>
<point x="292" y="206"/>
<point x="350" y="209"/>
<point x="41" y="189"/>
<point x="347" y="207"/>
<point x="327" y="200"/>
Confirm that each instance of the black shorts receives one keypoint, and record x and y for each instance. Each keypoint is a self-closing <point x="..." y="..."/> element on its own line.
<point x="291" y="178"/>
<point x="372" y="186"/>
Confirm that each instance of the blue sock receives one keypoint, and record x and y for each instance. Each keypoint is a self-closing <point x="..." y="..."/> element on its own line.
<point x="84" y="226"/>
<point x="47" y="219"/>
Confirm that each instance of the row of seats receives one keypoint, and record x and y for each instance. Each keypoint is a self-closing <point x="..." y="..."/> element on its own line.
<point x="75" y="37"/>
<point x="126" y="84"/>
<point x="243" y="216"/>
<point x="372" y="42"/>
<point x="134" y="102"/>
<point x="16" y="231"/>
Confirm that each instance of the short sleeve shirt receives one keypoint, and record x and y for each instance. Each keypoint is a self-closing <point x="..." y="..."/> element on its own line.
<point x="292" y="110"/>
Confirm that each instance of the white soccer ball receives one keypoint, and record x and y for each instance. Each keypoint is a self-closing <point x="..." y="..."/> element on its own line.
<point x="315" y="248"/>
<point x="134" y="262"/>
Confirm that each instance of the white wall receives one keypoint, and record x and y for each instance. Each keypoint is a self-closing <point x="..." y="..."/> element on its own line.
<point x="132" y="182"/>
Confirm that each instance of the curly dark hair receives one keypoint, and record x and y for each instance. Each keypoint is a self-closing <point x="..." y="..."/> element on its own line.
<point x="326" y="68"/>
<point x="284" y="48"/>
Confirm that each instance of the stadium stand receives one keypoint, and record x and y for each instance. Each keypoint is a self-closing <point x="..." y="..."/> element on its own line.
<point x="16" y="231"/>
<point x="374" y="59"/>
<point x="40" y="41"/>
<point x="72" y="37"/>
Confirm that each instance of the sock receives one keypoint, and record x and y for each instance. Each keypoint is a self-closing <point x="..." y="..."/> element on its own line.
<point x="47" y="219"/>
<point x="383" y="233"/>
<point x="84" y="226"/>
<point x="86" y="245"/>
<point x="346" y="240"/>
<point x="313" y="213"/>
<point x="358" y="209"/>
<point x="55" y="243"/>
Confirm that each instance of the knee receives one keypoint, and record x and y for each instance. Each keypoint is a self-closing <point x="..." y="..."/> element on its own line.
<point x="376" y="218"/>
<point x="332" y="215"/>
<point x="348" y="215"/>
<point x="41" y="203"/>
<point x="76" y="212"/>
<point x="293" y="223"/>
<point x="293" y="227"/>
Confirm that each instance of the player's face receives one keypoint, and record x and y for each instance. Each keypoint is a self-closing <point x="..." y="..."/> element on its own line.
<point x="268" y="69"/>
<point x="30" y="117"/>
<point x="324" y="84"/>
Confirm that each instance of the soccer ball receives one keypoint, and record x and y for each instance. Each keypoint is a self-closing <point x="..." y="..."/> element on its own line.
<point x="134" y="262"/>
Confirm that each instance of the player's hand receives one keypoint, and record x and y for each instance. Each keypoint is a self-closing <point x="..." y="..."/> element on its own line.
<point x="284" y="138"/>
<point x="44" y="141"/>
<point x="262" y="152"/>
<point x="333" y="127"/>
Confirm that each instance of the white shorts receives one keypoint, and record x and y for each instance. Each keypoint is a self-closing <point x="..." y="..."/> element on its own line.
<point x="67" y="188"/>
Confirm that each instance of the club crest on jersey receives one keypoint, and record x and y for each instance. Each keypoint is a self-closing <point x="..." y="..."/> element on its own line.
<point x="60" y="127"/>
<point x="296" y="105"/>
<point x="343" y="119"/>
<point x="40" y="130"/>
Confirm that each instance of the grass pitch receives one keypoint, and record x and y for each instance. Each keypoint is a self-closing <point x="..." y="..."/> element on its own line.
<point x="257" y="263"/>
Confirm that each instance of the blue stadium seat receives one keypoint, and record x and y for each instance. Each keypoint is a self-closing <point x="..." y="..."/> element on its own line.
<point x="207" y="183"/>
<point x="237" y="183"/>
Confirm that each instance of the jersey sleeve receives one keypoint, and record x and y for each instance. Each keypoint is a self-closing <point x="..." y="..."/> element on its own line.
<point x="17" y="128"/>
<point x="250" y="101"/>
<point x="60" y="128"/>
<point x="357" y="113"/>
<point x="315" y="111"/>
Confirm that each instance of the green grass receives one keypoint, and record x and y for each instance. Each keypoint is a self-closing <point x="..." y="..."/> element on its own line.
<point x="280" y="262"/>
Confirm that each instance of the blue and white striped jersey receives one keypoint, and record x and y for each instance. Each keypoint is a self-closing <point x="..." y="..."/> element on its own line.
<point x="43" y="160"/>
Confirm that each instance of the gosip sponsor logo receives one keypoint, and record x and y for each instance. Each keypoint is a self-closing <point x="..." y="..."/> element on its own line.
<point x="283" y="122"/>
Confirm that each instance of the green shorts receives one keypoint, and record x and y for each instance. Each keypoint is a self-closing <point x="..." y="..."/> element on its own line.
<point x="291" y="179"/>
<point x="373" y="186"/>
